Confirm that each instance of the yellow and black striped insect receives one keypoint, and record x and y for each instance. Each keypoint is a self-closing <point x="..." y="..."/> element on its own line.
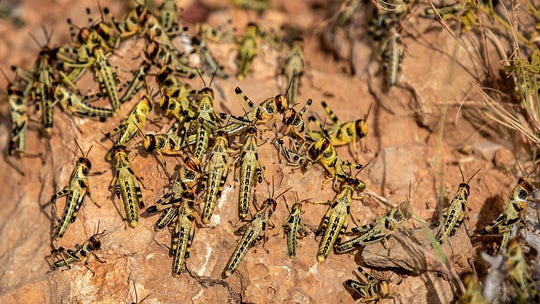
<point x="519" y="273"/>
<point x="391" y="51"/>
<point x="341" y="133"/>
<point x="252" y="232"/>
<point x="126" y="185"/>
<point x="250" y="169"/>
<point x="512" y="214"/>
<point x="207" y="58"/>
<point x="42" y="78"/>
<point x="374" y="291"/>
<point x="247" y="50"/>
<point x="454" y="215"/>
<point x="379" y="231"/>
<point x="186" y="180"/>
<point x="336" y="219"/>
<point x="294" y="228"/>
<point x="323" y="152"/>
<point x="136" y="82"/>
<point x="77" y="105"/>
<point x="81" y="252"/>
<point x="473" y="292"/>
<point x="295" y="122"/>
<point x="260" y="114"/>
<point x="206" y="120"/>
<point x="133" y="123"/>
<point x="18" y="116"/>
<point x="294" y="68"/>
<point x="75" y="191"/>
<point x="168" y="143"/>
<point x="294" y="158"/>
<point x="216" y="171"/>
<point x="183" y="232"/>
<point x="168" y="16"/>
<point x="175" y="96"/>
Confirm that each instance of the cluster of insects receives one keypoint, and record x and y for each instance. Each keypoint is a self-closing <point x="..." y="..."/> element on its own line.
<point x="211" y="144"/>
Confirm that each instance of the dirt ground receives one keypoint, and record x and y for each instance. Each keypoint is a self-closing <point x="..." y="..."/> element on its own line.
<point x="420" y="132"/>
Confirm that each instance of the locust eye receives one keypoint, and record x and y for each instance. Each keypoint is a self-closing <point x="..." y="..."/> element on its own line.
<point x="207" y="91"/>
<point x="251" y="130"/>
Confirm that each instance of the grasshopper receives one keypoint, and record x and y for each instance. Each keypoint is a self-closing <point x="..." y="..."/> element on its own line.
<point x="336" y="219"/>
<point x="294" y="228"/>
<point x="125" y="183"/>
<point x="75" y="192"/>
<point x="341" y="133"/>
<point x="168" y="143"/>
<point x="294" y="68"/>
<point x="259" y="114"/>
<point x="133" y="123"/>
<point x="207" y="120"/>
<point x="209" y="60"/>
<point x="294" y="158"/>
<point x="295" y="122"/>
<point x="519" y="273"/>
<point x="75" y="104"/>
<point x="454" y="214"/>
<point x="168" y="16"/>
<point x="378" y="232"/>
<point x="391" y="50"/>
<point x="374" y="291"/>
<point x="18" y="117"/>
<point x="250" y="168"/>
<point x="175" y="95"/>
<point x="70" y="256"/>
<point x="184" y="232"/>
<point x="186" y="180"/>
<point x="253" y="231"/>
<point x="136" y="82"/>
<point x="325" y="153"/>
<point x="512" y="213"/>
<point x="247" y="50"/>
<point x="216" y="171"/>
<point x="473" y="292"/>
<point x="347" y="11"/>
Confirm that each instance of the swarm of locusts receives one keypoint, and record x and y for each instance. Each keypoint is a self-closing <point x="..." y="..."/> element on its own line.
<point x="212" y="145"/>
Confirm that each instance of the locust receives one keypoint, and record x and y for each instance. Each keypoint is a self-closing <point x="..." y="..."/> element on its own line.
<point x="512" y="214"/>
<point x="175" y="96"/>
<point x="82" y="251"/>
<point x="75" y="191"/>
<point x="335" y="221"/>
<point x="250" y="169"/>
<point x="473" y="292"/>
<point x="341" y="133"/>
<point x="209" y="60"/>
<point x="43" y="76"/>
<point x="18" y="116"/>
<point x="136" y="82"/>
<point x="347" y="11"/>
<point x="252" y="232"/>
<point x="247" y="50"/>
<point x="323" y="152"/>
<point x="76" y="104"/>
<point x="125" y="184"/>
<point x="216" y="171"/>
<point x="454" y="214"/>
<point x="294" y="228"/>
<point x="168" y="143"/>
<point x="374" y="291"/>
<point x="168" y="13"/>
<point x="259" y="114"/>
<point x="392" y="52"/>
<point x="294" y="68"/>
<point x="132" y="123"/>
<point x="207" y="120"/>
<point x="519" y="272"/>
<point x="295" y="122"/>
<point x="186" y="180"/>
<point x="183" y="232"/>
<point x="294" y="158"/>
<point x="379" y="231"/>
